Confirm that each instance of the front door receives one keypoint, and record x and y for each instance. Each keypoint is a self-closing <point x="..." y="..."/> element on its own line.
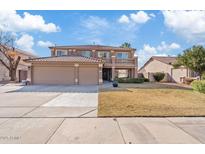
<point x="107" y="74"/>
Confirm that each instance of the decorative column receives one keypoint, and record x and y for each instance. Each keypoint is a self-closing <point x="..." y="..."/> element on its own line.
<point x="113" y="68"/>
<point x="100" y="74"/>
<point x="76" y="75"/>
<point x="30" y="74"/>
<point x="136" y="66"/>
<point x="94" y="54"/>
<point x="53" y="52"/>
<point x="74" y="52"/>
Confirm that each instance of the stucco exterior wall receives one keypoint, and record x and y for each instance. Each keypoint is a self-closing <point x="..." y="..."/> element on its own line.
<point x="156" y="66"/>
<point x="171" y="74"/>
<point x="177" y="74"/>
<point x="4" y="73"/>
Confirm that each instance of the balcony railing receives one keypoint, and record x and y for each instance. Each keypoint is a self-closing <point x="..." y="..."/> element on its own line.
<point x="119" y="61"/>
<point x="125" y="61"/>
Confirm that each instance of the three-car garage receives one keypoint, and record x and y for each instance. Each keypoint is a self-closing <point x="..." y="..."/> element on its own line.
<point x="66" y="71"/>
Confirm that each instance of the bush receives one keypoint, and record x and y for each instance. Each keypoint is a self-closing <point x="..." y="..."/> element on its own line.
<point x="203" y="76"/>
<point x="158" y="76"/>
<point x="198" y="85"/>
<point x="146" y="80"/>
<point x="130" y="80"/>
<point x="188" y="81"/>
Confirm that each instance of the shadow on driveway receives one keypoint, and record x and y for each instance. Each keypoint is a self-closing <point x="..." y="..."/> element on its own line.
<point x="58" y="88"/>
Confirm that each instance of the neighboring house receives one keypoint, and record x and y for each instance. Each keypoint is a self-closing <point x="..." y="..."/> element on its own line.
<point x="83" y="64"/>
<point x="22" y="69"/>
<point x="165" y="65"/>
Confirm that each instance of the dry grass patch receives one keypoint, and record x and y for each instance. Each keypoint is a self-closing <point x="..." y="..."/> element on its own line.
<point x="151" y="102"/>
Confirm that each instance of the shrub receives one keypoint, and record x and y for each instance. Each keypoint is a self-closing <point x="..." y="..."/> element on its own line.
<point x="203" y="76"/>
<point x="146" y="80"/>
<point x="130" y="80"/>
<point x="198" y="85"/>
<point x="158" y="76"/>
<point x="188" y="81"/>
<point x="143" y="78"/>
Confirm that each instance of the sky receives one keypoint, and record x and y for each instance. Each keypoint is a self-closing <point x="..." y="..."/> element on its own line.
<point x="152" y="33"/>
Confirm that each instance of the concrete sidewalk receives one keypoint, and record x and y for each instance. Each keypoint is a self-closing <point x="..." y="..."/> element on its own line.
<point x="102" y="130"/>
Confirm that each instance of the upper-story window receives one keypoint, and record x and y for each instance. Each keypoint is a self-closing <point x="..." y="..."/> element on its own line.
<point x="122" y="55"/>
<point x="86" y="53"/>
<point x="103" y="54"/>
<point x="61" y="53"/>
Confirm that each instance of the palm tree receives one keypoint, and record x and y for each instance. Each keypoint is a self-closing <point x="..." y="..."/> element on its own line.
<point x="126" y="45"/>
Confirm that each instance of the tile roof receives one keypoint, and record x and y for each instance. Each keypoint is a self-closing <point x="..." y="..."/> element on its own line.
<point x="65" y="59"/>
<point x="92" y="47"/>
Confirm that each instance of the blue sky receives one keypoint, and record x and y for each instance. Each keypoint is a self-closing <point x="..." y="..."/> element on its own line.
<point x="150" y="32"/>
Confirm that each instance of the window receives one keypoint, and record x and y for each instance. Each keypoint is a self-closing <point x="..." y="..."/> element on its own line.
<point x="122" y="73"/>
<point x="61" y="53"/>
<point x="103" y="54"/>
<point x="122" y="55"/>
<point x="86" y="53"/>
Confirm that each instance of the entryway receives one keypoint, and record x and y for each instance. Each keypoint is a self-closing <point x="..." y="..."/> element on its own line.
<point x="107" y="74"/>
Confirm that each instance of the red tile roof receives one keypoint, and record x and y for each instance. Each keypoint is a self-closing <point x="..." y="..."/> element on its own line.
<point x="65" y="59"/>
<point x="92" y="47"/>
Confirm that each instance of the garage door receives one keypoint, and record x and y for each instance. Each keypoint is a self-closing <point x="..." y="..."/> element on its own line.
<point x="88" y="75"/>
<point x="53" y="75"/>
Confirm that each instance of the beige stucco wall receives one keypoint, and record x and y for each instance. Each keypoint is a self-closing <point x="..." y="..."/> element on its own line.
<point x="156" y="66"/>
<point x="171" y="74"/>
<point x="4" y="73"/>
<point x="177" y="74"/>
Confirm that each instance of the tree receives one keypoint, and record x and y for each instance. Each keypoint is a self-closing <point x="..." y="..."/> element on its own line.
<point x="126" y="45"/>
<point x="192" y="58"/>
<point x="8" y="55"/>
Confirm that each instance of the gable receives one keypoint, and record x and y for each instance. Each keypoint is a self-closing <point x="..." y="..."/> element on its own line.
<point x="156" y="66"/>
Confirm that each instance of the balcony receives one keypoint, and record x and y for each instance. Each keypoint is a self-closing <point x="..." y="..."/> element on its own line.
<point x="120" y="62"/>
<point x="125" y="61"/>
<point x="107" y="60"/>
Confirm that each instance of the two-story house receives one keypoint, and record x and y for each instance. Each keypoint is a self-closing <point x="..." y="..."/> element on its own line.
<point x="83" y="64"/>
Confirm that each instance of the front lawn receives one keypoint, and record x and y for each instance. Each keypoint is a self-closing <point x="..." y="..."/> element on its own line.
<point x="151" y="102"/>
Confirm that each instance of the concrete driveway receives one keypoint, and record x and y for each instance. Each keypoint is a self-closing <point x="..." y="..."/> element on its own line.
<point x="48" y="101"/>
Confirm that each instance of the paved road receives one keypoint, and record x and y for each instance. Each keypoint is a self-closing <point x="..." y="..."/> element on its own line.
<point x="35" y="115"/>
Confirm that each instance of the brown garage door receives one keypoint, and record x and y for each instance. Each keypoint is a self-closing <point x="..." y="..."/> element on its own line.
<point x="88" y="75"/>
<point x="22" y="75"/>
<point x="53" y="75"/>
